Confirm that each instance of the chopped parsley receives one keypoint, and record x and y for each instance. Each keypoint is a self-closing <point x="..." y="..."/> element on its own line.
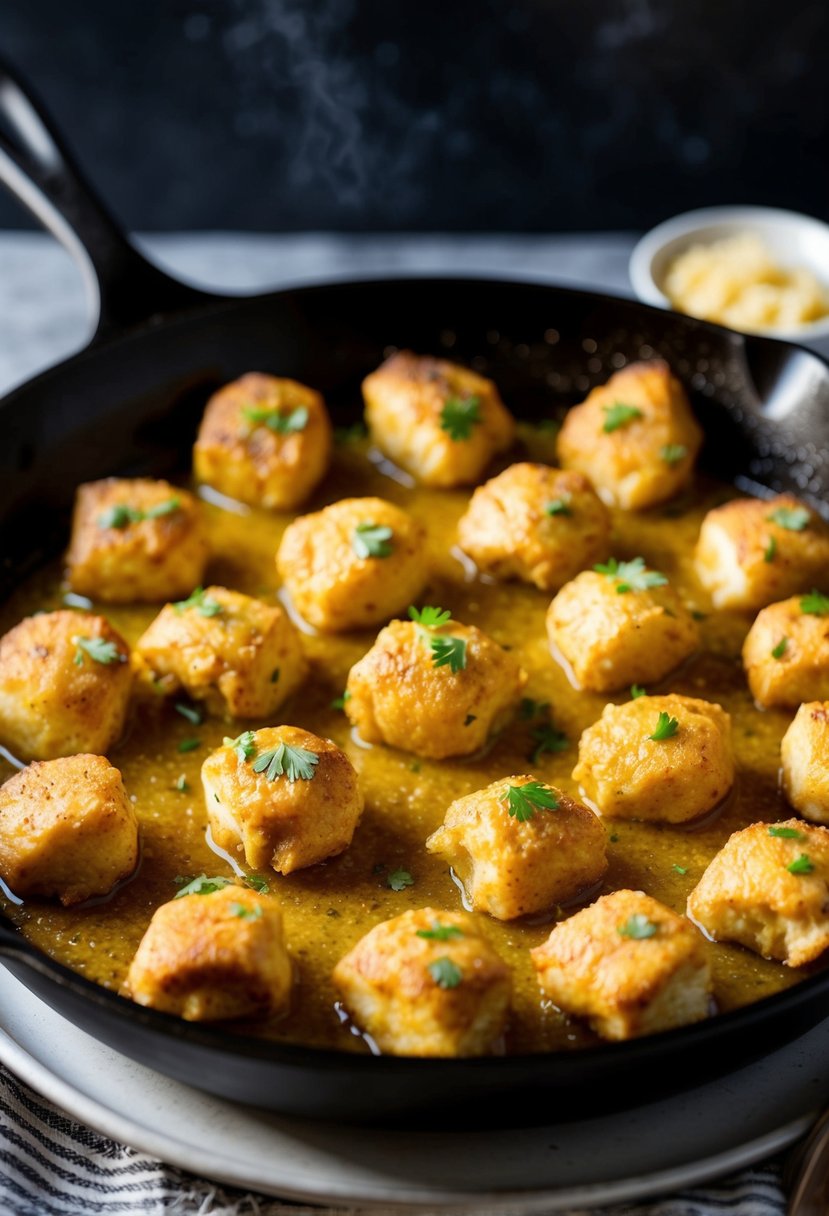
<point x="440" y="933"/>
<point x="372" y="540"/>
<point x="244" y="912"/>
<point x="770" y="550"/>
<point x="638" y="926"/>
<point x="276" y="421"/>
<point x="447" y="651"/>
<point x="532" y="709"/>
<point x="666" y="727"/>
<point x="636" y="691"/>
<point x="619" y="415"/>
<point x="558" y="506"/>
<point x="672" y="453"/>
<point x="98" y="649"/>
<point x="190" y="712"/>
<point x="786" y="833"/>
<point x="244" y="745"/>
<point x="445" y="973"/>
<point x="296" y="763"/>
<point x="257" y="883"/>
<point x="339" y="702"/>
<point x="350" y="434"/>
<point x="793" y="519"/>
<point x="202" y="885"/>
<point x="398" y="880"/>
<point x="815" y="604"/>
<point x="202" y="601"/>
<point x="679" y="869"/>
<point x="632" y="575"/>
<point x="120" y="515"/>
<point x="429" y="617"/>
<point x="801" y="865"/>
<point x="524" y="800"/>
<point x="547" y="740"/>
<point x="779" y="650"/>
<point x="181" y="784"/>
<point x="189" y="745"/>
<point x="459" y="415"/>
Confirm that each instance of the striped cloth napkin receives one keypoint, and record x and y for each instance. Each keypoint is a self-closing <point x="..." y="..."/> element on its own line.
<point x="52" y="1166"/>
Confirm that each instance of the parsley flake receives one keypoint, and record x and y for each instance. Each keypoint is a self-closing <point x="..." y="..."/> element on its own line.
<point x="779" y="650"/>
<point x="190" y="712"/>
<point x="532" y="709"/>
<point x="459" y="415"/>
<point x="558" y="506"/>
<point x="296" y="763"/>
<point x="398" y="880"/>
<point x="276" y="421"/>
<point x="120" y="515"/>
<point x="524" y="800"/>
<point x="244" y="912"/>
<point x="636" y="691"/>
<point x="189" y="745"/>
<point x="793" y="519"/>
<point x="202" y="601"/>
<point x="770" y="550"/>
<point x="638" y="927"/>
<point x="666" y="727"/>
<point x="679" y="869"/>
<point x="339" y="702"/>
<point x="440" y="933"/>
<point x="257" y="883"/>
<point x="786" y="833"/>
<point x="801" y="865"/>
<point x="815" y="604"/>
<point x="98" y="649"/>
<point x="182" y="785"/>
<point x="547" y="740"/>
<point x="632" y="575"/>
<point x="244" y="745"/>
<point x="672" y="453"/>
<point x="445" y="973"/>
<point x="619" y="415"/>
<point x="202" y="885"/>
<point x="429" y="617"/>
<point x="448" y="652"/>
<point x="372" y="540"/>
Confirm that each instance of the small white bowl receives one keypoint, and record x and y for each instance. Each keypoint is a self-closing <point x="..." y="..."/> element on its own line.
<point x="791" y="238"/>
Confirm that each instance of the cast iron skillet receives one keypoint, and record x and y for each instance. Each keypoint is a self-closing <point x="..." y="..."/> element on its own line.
<point x="129" y="404"/>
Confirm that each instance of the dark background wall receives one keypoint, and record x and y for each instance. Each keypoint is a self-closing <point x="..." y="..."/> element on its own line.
<point x="432" y="114"/>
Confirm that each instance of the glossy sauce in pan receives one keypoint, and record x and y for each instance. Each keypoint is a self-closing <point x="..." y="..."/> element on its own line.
<point x="328" y="907"/>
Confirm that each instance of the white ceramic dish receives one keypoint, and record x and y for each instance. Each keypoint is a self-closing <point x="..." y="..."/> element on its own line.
<point x="656" y="1149"/>
<point x="792" y="238"/>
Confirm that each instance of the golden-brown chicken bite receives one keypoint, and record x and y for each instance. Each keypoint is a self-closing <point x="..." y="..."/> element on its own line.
<point x="433" y="687"/>
<point x="439" y="421"/>
<point x="354" y="564"/>
<point x="520" y="847"/>
<point x="427" y="984"/>
<point x="619" y="627"/>
<point x="535" y="523"/>
<point x="214" y="957"/>
<point x="786" y="652"/>
<point x="238" y="656"/>
<point x="635" y="437"/>
<point x="68" y="829"/>
<point x="64" y="685"/>
<point x="135" y="540"/>
<point x="281" y="797"/>
<point x="805" y="756"/>
<point x="665" y="758"/>
<point x="264" y="441"/>
<point x="767" y="889"/>
<point x="627" y="964"/>
<point x="751" y="552"/>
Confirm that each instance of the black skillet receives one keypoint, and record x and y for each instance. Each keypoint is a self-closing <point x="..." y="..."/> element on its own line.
<point x="129" y="404"/>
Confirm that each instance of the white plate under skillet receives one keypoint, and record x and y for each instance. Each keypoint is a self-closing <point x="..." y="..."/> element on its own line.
<point x="659" y="1148"/>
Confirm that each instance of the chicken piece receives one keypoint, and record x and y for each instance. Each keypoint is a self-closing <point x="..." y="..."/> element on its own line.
<point x="435" y="691"/>
<point x="64" y="685"/>
<point x="537" y="524"/>
<point x="752" y="552"/>
<point x="805" y="755"/>
<point x="238" y="656"/>
<point x="635" y="437"/>
<point x="662" y="758"/>
<point x="68" y="829"/>
<point x="281" y="797"/>
<point x="427" y="984"/>
<point x="520" y="846"/>
<point x="620" y="627"/>
<point x="441" y="422"/>
<point x="627" y="964"/>
<point x="767" y="890"/>
<point x="209" y="958"/>
<point x="264" y="441"/>
<point x="135" y="540"/>
<point x="353" y="564"/>
<point x="786" y="653"/>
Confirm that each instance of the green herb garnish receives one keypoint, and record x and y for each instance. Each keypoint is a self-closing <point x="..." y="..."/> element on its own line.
<point x="618" y="415"/>
<point x="779" y="650"/>
<point x="200" y="600"/>
<point x="190" y="712"/>
<point x="524" y="800"/>
<point x="793" y="519"/>
<point x="459" y="415"/>
<point x="786" y="833"/>
<point x="296" y="763"/>
<point x="244" y="912"/>
<point x="672" y="453"/>
<point x="637" y="691"/>
<point x="244" y="745"/>
<point x="532" y="709"/>
<point x="339" y="702"/>
<point x="189" y="745"/>
<point x="638" y="926"/>
<point x="276" y="421"/>
<point x="447" y="651"/>
<point x="679" y="869"/>
<point x="257" y="883"/>
<point x="632" y="575"/>
<point x="770" y="550"/>
<point x="440" y="933"/>
<point x="398" y="880"/>
<point x="120" y="515"/>
<point x="429" y="617"/>
<point x="202" y="885"/>
<point x="801" y="865"/>
<point x="547" y="740"/>
<point x="666" y="727"/>
<point x="558" y="506"/>
<point x="372" y="540"/>
<point x="181" y="784"/>
<point x="97" y="649"/>
<point x="445" y="973"/>
<point x="815" y="604"/>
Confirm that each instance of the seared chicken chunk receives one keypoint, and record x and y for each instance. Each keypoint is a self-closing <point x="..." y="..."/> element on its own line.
<point x="353" y="564"/>
<point x="635" y="437"/>
<point x="426" y="984"/>
<point x="664" y="758"/>
<point x="767" y="890"/>
<point x="752" y="552"/>
<point x="805" y="755"/>
<point x="521" y="847"/>
<point x="68" y="830"/>
<point x="264" y="441"/>
<point x="435" y="690"/>
<point x="786" y="653"/>
<point x="620" y="627"/>
<point x="238" y="656"/>
<point x="439" y="421"/>
<point x="209" y="958"/>
<point x="537" y="524"/>
<point x="135" y="540"/>
<point x="64" y="685"/>
<point x="627" y="964"/>
<point x="281" y="797"/>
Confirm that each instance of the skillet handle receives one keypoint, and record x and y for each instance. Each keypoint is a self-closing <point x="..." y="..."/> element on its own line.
<point x="39" y="170"/>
